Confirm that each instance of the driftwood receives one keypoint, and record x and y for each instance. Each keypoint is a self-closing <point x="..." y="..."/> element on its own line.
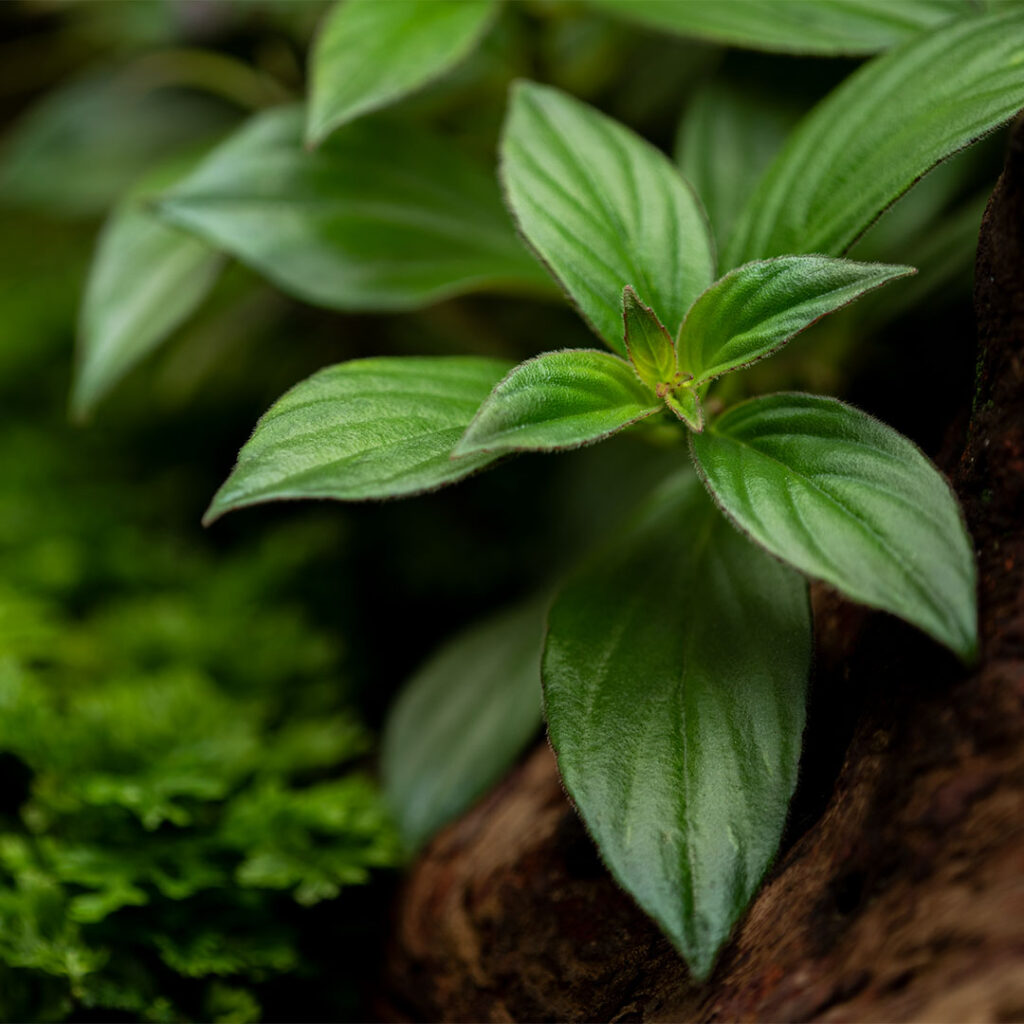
<point x="899" y="894"/>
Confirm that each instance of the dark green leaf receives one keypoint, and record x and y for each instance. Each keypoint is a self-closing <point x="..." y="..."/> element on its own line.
<point x="463" y="719"/>
<point x="145" y="280"/>
<point x="603" y="209"/>
<point x="651" y="348"/>
<point x="755" y="309"/>
<point x="382" y="216"/>
<point x="369" y="54"/>
<point x="889" y="123"/>
<point x="370" y="428"/>
<point x="727" y="138"/>
<point x="674" y="678"/>
<point x="559" y="400"/>
<point x="823" y="27"/>
<point x="848" y="500"/>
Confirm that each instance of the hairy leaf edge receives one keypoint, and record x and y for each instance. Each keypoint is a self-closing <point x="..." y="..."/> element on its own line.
<point x="213" y="513"/>
<point x="702" y="972"/>
<point x="520" y="84"/>
<point x="968" y="656"/>
<point x="900" y="271"/>
<point x="460" y="453"/>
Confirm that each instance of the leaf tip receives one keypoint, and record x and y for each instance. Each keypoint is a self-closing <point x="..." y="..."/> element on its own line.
<point x="219" y="505"/>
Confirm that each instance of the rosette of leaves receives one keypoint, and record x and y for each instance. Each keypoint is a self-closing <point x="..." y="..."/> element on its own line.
<point x="675" y="659"/>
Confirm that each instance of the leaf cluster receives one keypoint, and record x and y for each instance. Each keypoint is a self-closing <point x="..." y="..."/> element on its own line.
<point x="675" y="660"/>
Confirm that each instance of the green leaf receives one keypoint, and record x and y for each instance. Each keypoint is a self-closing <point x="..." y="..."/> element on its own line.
<point x="651" y="349"/>
<point x="848" y="500"/>
<point x="674" y="678"/>
<point x="145" y="280"/>
<point x="369" y="54"/>
<point x="603" y="209"/>
<point x="728" y="136"/>
<point x="755" y="309"/>
<point x="559" y="400"/>
<point x="821" y="27"/>
<point x="83" y="145"/>
<point x="463" y="719"/>
<point x="369" y="428"/>
<point x="889" y="123"/>
<point x="382" y="216"/>
<point x="685" y="403"/>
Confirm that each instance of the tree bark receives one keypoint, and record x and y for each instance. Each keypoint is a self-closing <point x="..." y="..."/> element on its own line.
<point x="899" y="892"/>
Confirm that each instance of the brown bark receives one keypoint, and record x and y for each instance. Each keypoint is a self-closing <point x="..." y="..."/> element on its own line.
<point x="899" y="894"/>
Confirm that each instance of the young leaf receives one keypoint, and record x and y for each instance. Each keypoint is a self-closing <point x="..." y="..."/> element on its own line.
<point x="559" y="400"/>
<point x="603" y="209"/>
<point x="463" y="719"/>
<point x="886" y="125"/>
<point x="755" y="309"/>
<point x="370" y="428"/>
<point x="353" y="226"/>
<point x="728" y="136"/>
<point x="822" y="27"/>
<point x="651" y="349"/>
<point x="848" y="500"/>
<point x="369" y="54"/>
<point x="685" y="403"/>
<point x="674" y="677"/>
<point x="145" y="280"/>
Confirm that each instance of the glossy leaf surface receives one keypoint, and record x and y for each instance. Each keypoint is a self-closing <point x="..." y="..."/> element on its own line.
<point x="463" y="719"/>
<point x="674" y="677"/>
<point x="559" y="400"/>
<point x="867" y="142"/>
<point x="369" y="428"/>
<point x="603" y="209"/>
<point x="822" y="27"/>
<point x="651" y="349"/>
<point x="380" y="217"/>
<point x="145" y="279"/>
<point x="369" y="54"/>
<point x="846" y="499"/>
<point x="757" y="308"/>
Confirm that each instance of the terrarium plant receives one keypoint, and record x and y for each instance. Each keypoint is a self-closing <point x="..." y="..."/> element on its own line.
<point x="675" y="659"/>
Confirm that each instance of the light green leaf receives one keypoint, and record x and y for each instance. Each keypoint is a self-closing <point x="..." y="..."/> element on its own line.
<point x="821" y="27"/>
<point x="145" y="280"/>
<point x="755" y="309"/>
<point x="559" y="400"/>
<point x="382" y="216"/>
<point x="603" y="209"/>
<point x="651" y="348"/>
<point x="369" y="54"/>
<point x="369" y="428"/>
<point x="889" y="123"/>
<point x="848" y="500"/>
<point x="674" y="679"/>
<point x="728" y="136"/>
<point x="463" y="719"/>
<point x="685" y="403"/>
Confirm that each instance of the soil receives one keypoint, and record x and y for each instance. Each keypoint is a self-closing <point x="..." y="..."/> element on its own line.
<point x="899" y="892"/>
